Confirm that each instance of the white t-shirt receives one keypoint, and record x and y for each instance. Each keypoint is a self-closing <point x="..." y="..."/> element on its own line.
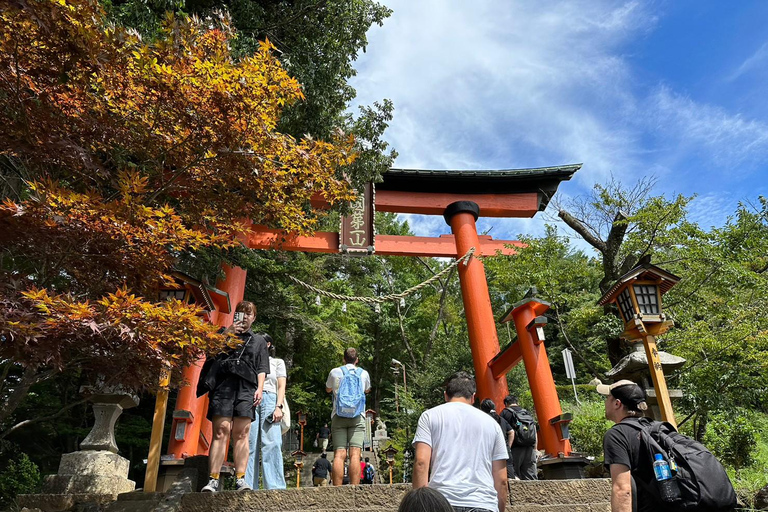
<point x="465" y="441"/>
<point x="276" y="370"/>
<point x="334" y="379"/>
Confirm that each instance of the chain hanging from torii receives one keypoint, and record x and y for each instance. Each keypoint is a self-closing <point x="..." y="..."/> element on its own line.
<point x="391" y="297"/>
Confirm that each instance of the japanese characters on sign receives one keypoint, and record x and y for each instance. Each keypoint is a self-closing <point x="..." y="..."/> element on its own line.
<point x="356" y="235"/>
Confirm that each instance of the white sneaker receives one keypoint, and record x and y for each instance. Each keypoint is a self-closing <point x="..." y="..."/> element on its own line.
<point x="213" y="486"/>
<point x="242" y="485"/>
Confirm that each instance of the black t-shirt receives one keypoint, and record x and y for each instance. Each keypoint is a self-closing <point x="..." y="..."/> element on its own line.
<point x="505" y="428"/>
<point x="622" y="445"/>
<point x="325" y="432"/>
<point x="321" y="467"/>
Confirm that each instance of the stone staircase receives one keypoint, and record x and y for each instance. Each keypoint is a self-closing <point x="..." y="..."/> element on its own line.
<point x="590" y="495"/>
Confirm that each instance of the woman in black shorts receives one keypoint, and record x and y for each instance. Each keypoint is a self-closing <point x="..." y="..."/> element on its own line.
<point x="238" y="389"/>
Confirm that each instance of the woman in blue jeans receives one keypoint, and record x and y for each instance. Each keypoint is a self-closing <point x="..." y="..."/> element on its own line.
<point x="266" y="437"/>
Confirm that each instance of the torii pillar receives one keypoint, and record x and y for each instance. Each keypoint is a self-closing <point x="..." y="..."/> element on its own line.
<point x="197" y="433"/>
<point x="481" y="325"/>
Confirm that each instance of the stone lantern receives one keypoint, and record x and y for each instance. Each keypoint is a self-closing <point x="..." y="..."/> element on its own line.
<point x="390" y="452"/>
<point x="638" y="297"/>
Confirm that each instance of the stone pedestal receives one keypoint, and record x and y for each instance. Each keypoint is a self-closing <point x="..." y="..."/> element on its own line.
<point x="96" y="474"/>
<point x="107" y="407"/>
<point x="90" y="472"/>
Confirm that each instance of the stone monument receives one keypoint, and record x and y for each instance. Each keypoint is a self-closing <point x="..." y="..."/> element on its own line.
<point x="96" y="473"/>
<point x="634" y="366"/>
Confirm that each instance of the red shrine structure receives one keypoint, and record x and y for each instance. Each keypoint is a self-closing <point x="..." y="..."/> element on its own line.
<point x="461" y="197"/>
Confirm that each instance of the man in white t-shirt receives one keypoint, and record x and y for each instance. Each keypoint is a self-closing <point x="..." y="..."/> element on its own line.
<point x="347" y="431"/>
<point x="465" y="449"/>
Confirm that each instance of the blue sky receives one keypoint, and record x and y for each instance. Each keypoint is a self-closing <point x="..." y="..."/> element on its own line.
<point x="675" y="89"/>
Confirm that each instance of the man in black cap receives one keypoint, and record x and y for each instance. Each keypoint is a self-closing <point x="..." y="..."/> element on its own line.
<point x="623" y="449"/>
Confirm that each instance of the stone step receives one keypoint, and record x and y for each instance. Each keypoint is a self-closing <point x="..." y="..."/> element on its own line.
<point x="591" y="495"/>
<point x="559" y="492"/>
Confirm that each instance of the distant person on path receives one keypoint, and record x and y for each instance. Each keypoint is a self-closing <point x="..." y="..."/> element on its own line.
<point x="320" y="471"/>
<point x="238" y="389"/>
<point x="323" y="436"/>
<point x="349" y="384"/>
<point x="266" y="436"/>
<point x="368" y="472"/>
<point x="488" y="407"/>
<point x="424" y="499"/>
<point x="522" y="463"/>
<point x="465" y="450"/>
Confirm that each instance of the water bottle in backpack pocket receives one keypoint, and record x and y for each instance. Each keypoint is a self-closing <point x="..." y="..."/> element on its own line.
<point x="669" y="490"/>
<point x="350" y="399"/>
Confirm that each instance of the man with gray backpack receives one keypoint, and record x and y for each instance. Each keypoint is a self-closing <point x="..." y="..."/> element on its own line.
<point x="349" y="384"/>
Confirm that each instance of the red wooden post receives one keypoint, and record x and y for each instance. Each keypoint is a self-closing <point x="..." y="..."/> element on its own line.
<point x="540" y="378"/>
<point x="187" y="403"/>
<point x="481" y="325"/>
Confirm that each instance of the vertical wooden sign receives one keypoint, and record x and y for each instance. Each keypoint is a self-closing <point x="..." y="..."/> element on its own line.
<point x="356" y="234"/>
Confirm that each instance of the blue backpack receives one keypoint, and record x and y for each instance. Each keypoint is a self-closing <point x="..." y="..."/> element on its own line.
<point x="350" y="399"/>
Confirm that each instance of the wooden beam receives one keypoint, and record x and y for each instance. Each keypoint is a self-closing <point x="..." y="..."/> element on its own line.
<point x="261" y="237"/>
<point x="428" y="203"/>
<point x="506" y="360"/>
<point x="523" y="205"/>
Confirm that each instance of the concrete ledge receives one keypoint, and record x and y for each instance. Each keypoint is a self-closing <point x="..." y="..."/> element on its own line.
<point x="560" y="492"/>
<point x="590" y="495"/>
<point x="310" y="498"/>
<point x="594" y="507"/>
<point x="61" y="502"/>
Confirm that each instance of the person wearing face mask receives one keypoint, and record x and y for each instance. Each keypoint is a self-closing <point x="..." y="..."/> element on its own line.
<point x="266" y="437"/>
<point x="236" y="390"/>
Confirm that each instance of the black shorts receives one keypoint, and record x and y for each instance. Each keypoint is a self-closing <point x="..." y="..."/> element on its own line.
<point x="232" y="398"/>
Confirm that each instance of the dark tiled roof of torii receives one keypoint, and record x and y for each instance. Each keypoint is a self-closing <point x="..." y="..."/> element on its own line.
<point x="504" y="181"/>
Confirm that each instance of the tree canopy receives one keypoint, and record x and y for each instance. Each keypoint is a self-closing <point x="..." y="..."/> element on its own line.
<point x="118" y="156"/>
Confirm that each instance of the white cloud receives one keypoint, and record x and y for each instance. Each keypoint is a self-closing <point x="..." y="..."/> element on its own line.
<point x="756" y="61"/>
<point x="729" y="139"/>
<point x="498" y="85"/>
<point x="494" y="85"/>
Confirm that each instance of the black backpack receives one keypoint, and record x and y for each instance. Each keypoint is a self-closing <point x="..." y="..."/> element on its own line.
<point x="525" y="428"/>
<point x="704" y="484"/>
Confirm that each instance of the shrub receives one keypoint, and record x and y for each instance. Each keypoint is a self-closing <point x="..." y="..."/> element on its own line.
<point x="21" y="476"/>
<point x="588" y="427"/>
<point x="732" y="438"/>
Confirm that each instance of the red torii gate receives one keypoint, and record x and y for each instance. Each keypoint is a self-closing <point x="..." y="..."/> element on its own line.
<point x="460" y="196"/>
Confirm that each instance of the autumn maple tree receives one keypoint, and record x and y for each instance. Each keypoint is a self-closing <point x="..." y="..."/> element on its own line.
<point x="116" y="156"/>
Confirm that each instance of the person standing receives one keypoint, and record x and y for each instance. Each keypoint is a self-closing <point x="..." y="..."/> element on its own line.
<point x="349" y="384"/>
<point x="266" y="436"/>
<point x="521" y="464"/>
<point x="238" y="389"/>
<point x="622" y="447"/>
<point x="488" y="407"/>
<point x="320" y="470"/>
<point x="463" y="450"/>
<point x="323" y="436"/>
